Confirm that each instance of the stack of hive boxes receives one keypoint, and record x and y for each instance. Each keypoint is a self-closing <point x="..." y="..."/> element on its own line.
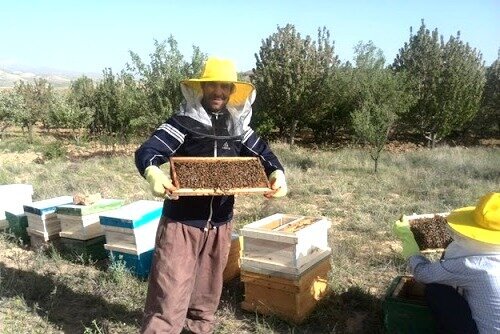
<point x="130" y="234"/>
<point x="43" y="224"/>
<point x="12" y="199"/>
<point x="284" y="265"/>
<point x="81" y="232"/>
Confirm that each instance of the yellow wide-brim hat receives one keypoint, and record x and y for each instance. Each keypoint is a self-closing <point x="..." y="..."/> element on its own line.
<point x="480" y="222"/>
<point x="223" y="70"/>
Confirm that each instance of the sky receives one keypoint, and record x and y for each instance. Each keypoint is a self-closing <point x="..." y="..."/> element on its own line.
<point x="87" y="36"/>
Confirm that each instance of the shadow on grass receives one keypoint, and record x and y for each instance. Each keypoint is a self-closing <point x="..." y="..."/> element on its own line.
<point x="71" y="311"/>
<point x="353" y="311"/>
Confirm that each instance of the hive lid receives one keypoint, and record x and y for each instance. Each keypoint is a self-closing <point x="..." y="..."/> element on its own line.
<point x="47" y="205"/>
<point x="133" y="215"/>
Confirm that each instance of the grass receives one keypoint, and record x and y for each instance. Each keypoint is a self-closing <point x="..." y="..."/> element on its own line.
<point x="43" y="292"/>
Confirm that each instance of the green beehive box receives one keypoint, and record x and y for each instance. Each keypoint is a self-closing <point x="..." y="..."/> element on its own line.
<point x="18" y="222"/>
<point x="405" y="309"/>
<point x="91" y="249"/>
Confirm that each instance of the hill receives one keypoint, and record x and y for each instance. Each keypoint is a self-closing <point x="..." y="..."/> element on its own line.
<point x="58" y="78"/>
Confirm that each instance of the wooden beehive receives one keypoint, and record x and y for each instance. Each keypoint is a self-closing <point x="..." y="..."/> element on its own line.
<point x="12" y="199"/>
<point x="81" y="222"/>
<point x="89" y="249"/>
<point x="290" y="299"/>
<point x="42" y="217"/>
<point x="284" y="245"/>
<point x="132" y="227"/>
<point x="42" y="241"/>
<point x="139" y="264"/>
<point x="232" y="269"/>
<point x="405" y="308"/>
<point x="206" y="176"/>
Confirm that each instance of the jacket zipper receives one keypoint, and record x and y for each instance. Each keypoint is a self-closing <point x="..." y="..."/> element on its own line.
<point x="207" y="226"/>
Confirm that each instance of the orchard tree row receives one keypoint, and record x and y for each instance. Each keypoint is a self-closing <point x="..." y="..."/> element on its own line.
<point x="434" y="87"/>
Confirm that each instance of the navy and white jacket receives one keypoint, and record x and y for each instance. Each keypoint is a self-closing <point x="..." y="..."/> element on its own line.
<point x="174" y="138"/>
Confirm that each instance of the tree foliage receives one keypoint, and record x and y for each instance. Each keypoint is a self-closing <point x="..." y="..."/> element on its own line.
<point x="488" y="119"/>
<point x="160" y="79"/>
<point x="38" y="98"/>
<point x="11" y="107"/>
<point x="448" y="82"/>
<point x="290" y="77"/>
<point x="382" y="98"/>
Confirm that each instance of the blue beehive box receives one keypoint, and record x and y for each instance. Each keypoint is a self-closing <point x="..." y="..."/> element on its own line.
<point x="130" y="234"/>
<point x="138" y="264"/>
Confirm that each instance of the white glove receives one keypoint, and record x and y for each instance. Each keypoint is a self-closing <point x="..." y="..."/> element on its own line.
<point x="277" y="182"/>
<point x="159" y="182"/>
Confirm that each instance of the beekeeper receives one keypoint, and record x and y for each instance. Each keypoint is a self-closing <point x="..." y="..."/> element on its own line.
<point x="463" y="288"/>
<point x="194" y="235"/>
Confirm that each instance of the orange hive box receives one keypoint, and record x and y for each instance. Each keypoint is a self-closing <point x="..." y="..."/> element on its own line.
<point x="232" y="269"/>
<point x="292" y="299"/>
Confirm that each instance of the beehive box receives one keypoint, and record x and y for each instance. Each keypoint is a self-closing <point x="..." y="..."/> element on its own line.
<point x="205" y="176"/>
<point x="293" y="299"/>
<point x="285" y="245"/>
<point x="232" y="269"/>
<point x="139" y="264"/>
<point x="12" y="199"/>
<point x="91" y="249"/>
<point x="42" y="217"/>
<point x="18" y="223"/>
<point x="132" y="227"/>
<point x="405" y="309"/>
<point x="82" y="221"/>
<point x="42" y="241"/>
<point x="430" y="231"/>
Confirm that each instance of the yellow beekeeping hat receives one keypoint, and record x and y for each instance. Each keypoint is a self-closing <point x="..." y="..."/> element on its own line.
<point x="482" y="222"/>
<point x="223" y="70"/>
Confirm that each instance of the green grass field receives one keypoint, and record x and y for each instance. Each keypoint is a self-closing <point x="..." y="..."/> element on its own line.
<point x="46" y="293"/>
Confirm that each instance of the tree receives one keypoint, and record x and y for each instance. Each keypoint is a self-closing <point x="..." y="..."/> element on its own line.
<point x="106" y="105"/>
<point x="290" y="75"/>
<point x="38" y="98"/>
<point x="11" y="105"/>
<point x="488" y="119"/>
<point x="160" y="79"/>
<point x="67" y="114"/>
<point x="382" y="97"/>
<point x="422" y="59"/>
<point x="461" y="89"/>
<point x="449" y="81"/>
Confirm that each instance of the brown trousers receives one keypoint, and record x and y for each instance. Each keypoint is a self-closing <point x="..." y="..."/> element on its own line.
<point x="185" y="281"/>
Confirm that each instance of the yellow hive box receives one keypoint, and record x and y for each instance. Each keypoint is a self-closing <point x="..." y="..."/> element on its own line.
<point x="293" y="299"/>
<point x="232" y="269"/>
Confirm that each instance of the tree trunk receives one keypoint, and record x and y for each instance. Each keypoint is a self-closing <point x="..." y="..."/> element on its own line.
<point x="293" y="130"/>
<point x="30" y="133"/>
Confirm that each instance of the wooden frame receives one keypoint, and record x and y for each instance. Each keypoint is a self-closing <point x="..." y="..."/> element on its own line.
<point x="217" y="191"/>
<point x="415" y="216"/>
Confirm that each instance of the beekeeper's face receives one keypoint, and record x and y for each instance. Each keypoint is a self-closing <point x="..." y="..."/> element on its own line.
<point x="216" y="95"/>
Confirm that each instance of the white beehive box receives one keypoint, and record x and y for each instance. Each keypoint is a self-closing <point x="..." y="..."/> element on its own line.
<point x="132" y="227"/>
<point x="81" y="222"/>
<point x="284" y="244"/>
<point x="12" y="199"/>
<point x="42" y="217"/>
